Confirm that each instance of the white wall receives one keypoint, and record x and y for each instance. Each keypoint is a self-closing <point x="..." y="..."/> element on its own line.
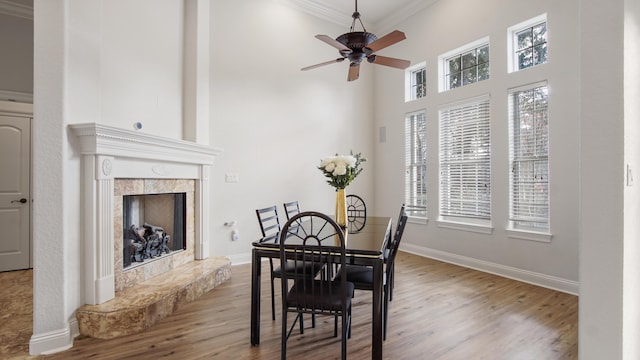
<point x="433" y="32"/>
<point x="631" y="271"/>
<point x="276" y="122"/>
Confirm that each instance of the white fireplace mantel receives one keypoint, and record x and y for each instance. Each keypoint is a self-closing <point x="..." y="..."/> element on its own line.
<point x="109" y="153"/>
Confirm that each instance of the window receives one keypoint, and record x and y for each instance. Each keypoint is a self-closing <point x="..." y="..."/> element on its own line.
<point x="529" y="158"/>
<point x="465" y="65"/>
<point x="416" y="82"/>
<point x="465" y="161"/>
<point x="528" y="43"/>
<point x="416" y="164"/>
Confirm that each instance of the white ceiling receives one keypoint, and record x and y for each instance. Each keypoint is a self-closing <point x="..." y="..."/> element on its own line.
<point x="377" y="14"/>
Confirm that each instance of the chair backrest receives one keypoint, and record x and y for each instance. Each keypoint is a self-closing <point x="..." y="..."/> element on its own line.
<point x="319" y="242"/>
<point x="356" y="213"/>
<point x="269" y="222"/>
<point x="291" y="208"/>
<point x="397" y="236"/>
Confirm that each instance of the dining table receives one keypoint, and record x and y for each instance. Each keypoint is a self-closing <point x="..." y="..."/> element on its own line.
<point x="364" y="247"/>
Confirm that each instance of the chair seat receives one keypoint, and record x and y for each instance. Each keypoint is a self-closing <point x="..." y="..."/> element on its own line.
<point x="361" y="276"/>
<point x="311" y="269"/>
<point x="325" y="296"/>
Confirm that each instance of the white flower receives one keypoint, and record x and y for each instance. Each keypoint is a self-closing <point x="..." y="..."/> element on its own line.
<point x="340" y="169"/>
<point x="349" y="160"/>
<point x="330" y="166"/>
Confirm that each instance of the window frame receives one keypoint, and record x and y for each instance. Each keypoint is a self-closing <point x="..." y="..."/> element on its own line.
<point x="512" y="41"/>
<point x="443" y="60"/>
<point x="410" y="82"/>
<point x="516" y="227"/>
<point x="467" y="159"/>
<point x="416" y="204"/>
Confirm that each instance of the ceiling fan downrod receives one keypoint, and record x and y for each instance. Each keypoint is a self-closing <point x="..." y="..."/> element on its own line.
<point x="356" y="16"/>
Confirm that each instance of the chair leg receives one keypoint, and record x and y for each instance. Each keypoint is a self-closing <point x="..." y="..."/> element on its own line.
<point x="345" y="324"/>
<point x="283" y="344"/>
<point x="273" y="298"/>
<point x="385" y="311"/>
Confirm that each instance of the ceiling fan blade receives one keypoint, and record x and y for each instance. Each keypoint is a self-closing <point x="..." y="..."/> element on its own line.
<point x="388" y="61"/>
<point x="354" y="72"/>
<point x="335" y="43"/>
<point x="322" y="64"/>
<point x="387" y="40"/>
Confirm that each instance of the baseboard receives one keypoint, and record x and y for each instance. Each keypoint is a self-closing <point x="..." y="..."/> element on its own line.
<point x="51" y="342"/>
<point x="239" y="259"/>
<point x="547" y="281"/>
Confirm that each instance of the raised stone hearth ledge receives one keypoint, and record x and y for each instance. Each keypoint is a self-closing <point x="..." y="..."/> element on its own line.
<point x="140" y="307"/>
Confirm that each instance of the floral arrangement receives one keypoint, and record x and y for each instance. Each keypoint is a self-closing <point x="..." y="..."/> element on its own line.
<point x="341" y="169"/>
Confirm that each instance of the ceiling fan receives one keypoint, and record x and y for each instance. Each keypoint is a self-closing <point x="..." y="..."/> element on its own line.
<point x="359" y="45"/>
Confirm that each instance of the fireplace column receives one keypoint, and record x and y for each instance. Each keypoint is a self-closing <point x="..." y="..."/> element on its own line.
<point x="98" y="229"/>
<point x="203" y="206"/>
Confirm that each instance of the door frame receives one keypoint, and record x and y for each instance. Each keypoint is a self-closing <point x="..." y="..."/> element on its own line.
<point x="12" y="108"/>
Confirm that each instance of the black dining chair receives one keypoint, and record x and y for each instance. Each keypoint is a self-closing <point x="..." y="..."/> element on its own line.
<point x="270" y="227"/>
<point x="291" y="208"/>
<point x="403" y="212"/>
<point x="362" y="276"/>
<point x="312" y="239"/>
<point x="356" y="213"/>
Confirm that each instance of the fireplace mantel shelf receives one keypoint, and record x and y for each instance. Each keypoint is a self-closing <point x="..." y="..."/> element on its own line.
<point x="97" y="139"/>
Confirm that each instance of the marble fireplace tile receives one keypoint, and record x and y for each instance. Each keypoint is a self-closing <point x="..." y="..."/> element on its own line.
<point x="137" y="308"/>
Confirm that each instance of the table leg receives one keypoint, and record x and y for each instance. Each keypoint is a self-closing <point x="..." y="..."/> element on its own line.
<point x="377" y="316"/>
<point x="256" y="267"/>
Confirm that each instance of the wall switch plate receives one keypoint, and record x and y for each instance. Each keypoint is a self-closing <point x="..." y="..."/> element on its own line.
<point x="231" y="177"/>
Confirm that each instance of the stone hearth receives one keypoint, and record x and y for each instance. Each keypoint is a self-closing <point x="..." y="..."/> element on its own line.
<point x="139" y="307"/>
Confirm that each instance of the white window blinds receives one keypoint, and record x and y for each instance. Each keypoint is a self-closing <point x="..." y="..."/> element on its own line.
<point x="416" y="163"/>
<point x="465" y="160"/>
<point x="529" y="158"/>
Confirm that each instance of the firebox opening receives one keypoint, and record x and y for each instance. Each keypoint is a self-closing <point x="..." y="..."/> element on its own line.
<point x="153" y="226"/>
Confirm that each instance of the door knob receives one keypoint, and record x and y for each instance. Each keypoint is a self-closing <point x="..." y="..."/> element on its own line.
<point x="22" y="201"/>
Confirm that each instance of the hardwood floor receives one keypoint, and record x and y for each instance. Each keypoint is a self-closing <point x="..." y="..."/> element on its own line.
<point x="439" y="311"/>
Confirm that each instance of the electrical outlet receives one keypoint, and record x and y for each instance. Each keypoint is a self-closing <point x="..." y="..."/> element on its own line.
<point x="231" y="177"/>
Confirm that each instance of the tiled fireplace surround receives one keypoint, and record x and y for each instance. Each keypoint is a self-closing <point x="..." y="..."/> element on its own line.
<point x="117" y="162"/>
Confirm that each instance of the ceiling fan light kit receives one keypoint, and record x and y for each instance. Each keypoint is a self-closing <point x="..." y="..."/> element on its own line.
<point x="359" y="45"/>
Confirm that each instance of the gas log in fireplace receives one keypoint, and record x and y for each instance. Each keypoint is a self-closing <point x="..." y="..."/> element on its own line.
<point x="153" y="226"/>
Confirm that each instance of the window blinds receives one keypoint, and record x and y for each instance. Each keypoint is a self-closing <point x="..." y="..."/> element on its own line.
<point x="529" y="158"/>
<point x="416" y="163"/>
<point x="465" y="160"/>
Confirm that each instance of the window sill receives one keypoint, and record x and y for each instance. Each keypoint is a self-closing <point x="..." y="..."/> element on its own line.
<point x="528" y="235"/>
<point x="417" y="220"/>
<point x="482" y="227"/>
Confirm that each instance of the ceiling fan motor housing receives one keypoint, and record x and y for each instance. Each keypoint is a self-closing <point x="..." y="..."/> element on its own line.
<point x="357" y="41"/>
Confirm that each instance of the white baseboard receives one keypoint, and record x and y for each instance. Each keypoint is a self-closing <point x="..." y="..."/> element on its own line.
<point x="547" y="281"/>
<point x="51" y="342"/>
<point x="239" y="259"/>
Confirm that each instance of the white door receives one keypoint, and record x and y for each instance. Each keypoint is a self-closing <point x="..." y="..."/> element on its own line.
<point x="15" y="199"/>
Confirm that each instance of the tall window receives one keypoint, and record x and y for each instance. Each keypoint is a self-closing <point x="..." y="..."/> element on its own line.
<point x="465" y="161"/>
<point x="416" y="163"/>
<point x="529" y="43"/>
<point x="529" y="158"/>
<point x="416" y="82"/>
<point x="466" y="65"/>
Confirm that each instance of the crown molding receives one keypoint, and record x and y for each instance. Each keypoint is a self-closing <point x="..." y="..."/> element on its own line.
<point x="400" y="14"/>
<point x="14" y="9"/>
<point x="320" y="10"/>
<point x="313" y="7"/>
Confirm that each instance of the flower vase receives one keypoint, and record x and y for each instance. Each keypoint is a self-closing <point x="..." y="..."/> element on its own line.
<point x="341" y="208"/>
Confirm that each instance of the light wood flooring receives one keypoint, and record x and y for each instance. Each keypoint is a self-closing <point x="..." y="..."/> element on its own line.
<point x="439" y="311"/>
